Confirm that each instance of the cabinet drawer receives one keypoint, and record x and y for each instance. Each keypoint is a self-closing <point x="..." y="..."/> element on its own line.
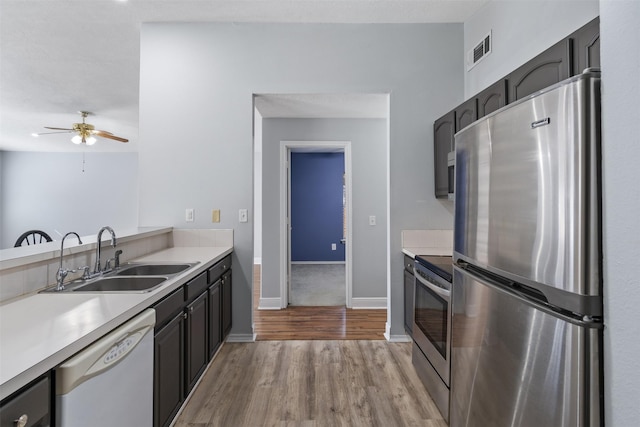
<point x="32" y="402"/>
<point x="196" y="286"/>
<point x="168" y="307"/>
<point x="220" y="267"/>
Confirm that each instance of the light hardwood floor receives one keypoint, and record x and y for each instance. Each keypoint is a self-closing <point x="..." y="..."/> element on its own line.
<point x="314" y="375"/>
<point x="311" y="383"/>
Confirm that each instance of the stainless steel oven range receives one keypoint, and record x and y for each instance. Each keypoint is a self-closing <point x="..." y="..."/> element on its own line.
<point x="431" y="353"/>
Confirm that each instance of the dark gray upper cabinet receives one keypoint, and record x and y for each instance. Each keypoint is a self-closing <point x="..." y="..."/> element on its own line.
<point x="586" y="47"/>
<point x="550" y="67"/>
<point x="465" y="114"/>
<point x="443" y="143"/>
<point x="492" y="98"/>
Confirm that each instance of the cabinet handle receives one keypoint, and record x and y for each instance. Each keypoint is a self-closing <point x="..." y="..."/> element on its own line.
<point x="22" y="421"/>
<point x="190" y="309"/>
<point x="185" y="315"/>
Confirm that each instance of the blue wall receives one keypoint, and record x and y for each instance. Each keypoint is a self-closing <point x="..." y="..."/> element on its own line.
<point x="316" y="206"/>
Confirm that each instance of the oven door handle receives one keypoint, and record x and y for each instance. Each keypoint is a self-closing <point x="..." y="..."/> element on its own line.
<point x="438" y="290"/>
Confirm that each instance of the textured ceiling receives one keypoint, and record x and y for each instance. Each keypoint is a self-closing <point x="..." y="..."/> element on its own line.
<point x="58" y="57"/>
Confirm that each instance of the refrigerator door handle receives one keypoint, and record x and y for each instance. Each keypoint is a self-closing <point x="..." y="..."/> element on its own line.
<point x="436" y="289"/>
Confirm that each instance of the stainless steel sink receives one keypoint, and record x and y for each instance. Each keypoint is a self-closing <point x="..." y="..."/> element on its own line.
<point x="121" y="284"/>
<point x="152" y="269"/>
<point x="130" y="277"/>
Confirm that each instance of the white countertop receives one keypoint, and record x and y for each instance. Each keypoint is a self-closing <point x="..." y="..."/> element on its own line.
<point x="39" y="332"/>
<point x="412" y="252"/>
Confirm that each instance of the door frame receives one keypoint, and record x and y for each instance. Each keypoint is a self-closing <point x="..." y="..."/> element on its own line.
<point x="285" y="205"/>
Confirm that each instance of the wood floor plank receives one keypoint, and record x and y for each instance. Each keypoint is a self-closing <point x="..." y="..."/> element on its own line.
<point x="311" y="383"/>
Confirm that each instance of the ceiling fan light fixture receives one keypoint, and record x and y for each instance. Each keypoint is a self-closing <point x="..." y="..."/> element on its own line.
<point x="91" y="140"/>
<point x="77" y="139"/>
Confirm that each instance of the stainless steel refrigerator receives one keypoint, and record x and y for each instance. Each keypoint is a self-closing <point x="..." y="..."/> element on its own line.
<point x="527" y="294"/>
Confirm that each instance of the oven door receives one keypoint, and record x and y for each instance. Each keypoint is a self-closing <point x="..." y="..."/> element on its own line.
<point x="432" y="322"/>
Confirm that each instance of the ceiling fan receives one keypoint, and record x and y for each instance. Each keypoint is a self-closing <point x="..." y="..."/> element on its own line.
<point x="85" y="132"/>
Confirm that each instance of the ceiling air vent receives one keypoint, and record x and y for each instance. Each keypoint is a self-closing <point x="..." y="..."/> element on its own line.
<point x="479" y="51"/>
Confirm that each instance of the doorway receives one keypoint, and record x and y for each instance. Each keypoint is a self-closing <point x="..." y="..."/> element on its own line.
<point x="318" y="228"/>
<point x="311" y="274"/>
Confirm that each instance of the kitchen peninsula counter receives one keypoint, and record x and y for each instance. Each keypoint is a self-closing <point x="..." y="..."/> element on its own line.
<point x="39" y="332"/>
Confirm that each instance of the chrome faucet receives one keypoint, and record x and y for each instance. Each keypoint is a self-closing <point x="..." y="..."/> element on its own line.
<point x="62" y="272"/>
<point x="98" y="268"/>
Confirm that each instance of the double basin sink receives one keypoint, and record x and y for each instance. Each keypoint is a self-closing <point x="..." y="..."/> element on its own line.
<point x="131" y="277"/>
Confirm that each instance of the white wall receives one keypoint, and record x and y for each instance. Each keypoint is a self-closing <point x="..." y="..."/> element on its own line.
<point x="520" y="31"/>
<point x="368" y="139"/>
<point x="51" y="192"/>
<point x="196" y="87"/>
<point x="619" y="37"/>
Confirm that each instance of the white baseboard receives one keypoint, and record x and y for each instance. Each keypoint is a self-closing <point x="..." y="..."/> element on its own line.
<point x="395" y="338"/>
<point x="399" y="338"/>
<point x="241" y="338"/>
<point x="370" y="303"/>
<point x="269" y="304"/>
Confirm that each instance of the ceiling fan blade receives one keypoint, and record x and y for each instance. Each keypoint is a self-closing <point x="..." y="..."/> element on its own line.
<point x="49" y="133"/>
<point x="97" y="132"/>
<point x="109" y="136"/>
<point x="48" y="127"/>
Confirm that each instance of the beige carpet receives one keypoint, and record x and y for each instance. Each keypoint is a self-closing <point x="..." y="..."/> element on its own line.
<point x="318" y="285"/>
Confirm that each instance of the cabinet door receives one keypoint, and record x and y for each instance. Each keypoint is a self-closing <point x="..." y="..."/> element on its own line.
<point x="197" y="351"/>
<point x="492" y="98"/>
<point x="168" y="383"/>
<point x="215" y="315"/>
<point x="226" y="286"/>
<point x="546" y="69"/>
<point x="443" y="131"/>
<point x="465" y="114"/>
<point x="586" y="47"/>
<point x="408" y="302"/>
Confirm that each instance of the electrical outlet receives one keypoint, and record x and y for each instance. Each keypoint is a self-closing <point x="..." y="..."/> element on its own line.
<point x="215" y="215"/>
<point x="372" y="220"/>
<point x="188" y="215"/>
<point x="333" y="247"/>
<point x="243" y="215"/>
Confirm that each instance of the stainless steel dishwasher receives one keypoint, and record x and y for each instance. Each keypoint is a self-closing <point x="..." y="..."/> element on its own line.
<point x="110" y="383"/>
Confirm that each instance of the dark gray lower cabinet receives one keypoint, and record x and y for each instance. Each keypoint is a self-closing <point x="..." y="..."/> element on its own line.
<point x="215" y="324"/>
<point x="409" y="295"/>
<point x="168" y="371"/>
<point x="226" y="288"/>
<point x="32" y="404"/>
<point x="197" y="351"/>
<point x="191" y="324"/>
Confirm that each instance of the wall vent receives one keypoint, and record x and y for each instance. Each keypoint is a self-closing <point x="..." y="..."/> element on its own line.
<point x="479" y="51"/>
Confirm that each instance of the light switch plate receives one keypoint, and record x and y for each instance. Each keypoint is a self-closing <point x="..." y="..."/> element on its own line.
<point x="372" y="220"/>
<point x="215" y="215"/>
<point x="243" y="215"/>
<point x="188" y="215"/>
